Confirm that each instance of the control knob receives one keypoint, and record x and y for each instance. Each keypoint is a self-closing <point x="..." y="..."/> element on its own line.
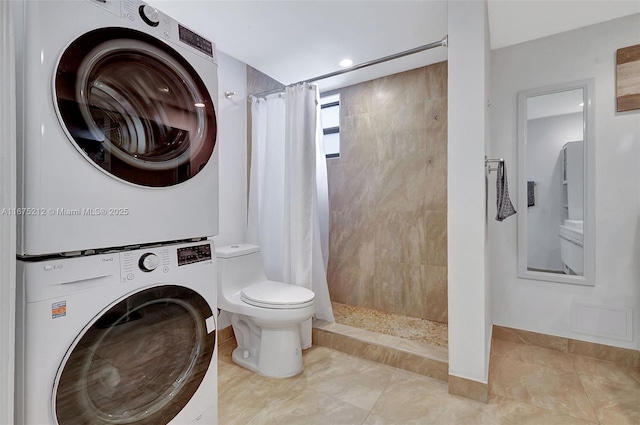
<point x="149" y="15"/>
<point x="148" y="262"/>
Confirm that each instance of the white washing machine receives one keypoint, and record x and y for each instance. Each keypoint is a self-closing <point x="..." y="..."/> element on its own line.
<point x="117" y="127"/>
<point x="118" y="338"/>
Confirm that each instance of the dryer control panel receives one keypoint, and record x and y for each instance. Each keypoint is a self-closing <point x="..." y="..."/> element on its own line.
<point x="167" y="28"/>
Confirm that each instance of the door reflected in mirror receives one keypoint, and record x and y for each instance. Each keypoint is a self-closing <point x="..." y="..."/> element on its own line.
<point x="553" y="240"/>
<point x="554" y="178"/>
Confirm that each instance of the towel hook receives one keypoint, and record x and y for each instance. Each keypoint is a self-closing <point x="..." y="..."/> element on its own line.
<point x="488" y="161"/>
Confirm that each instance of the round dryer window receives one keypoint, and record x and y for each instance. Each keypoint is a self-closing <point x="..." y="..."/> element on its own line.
<point x="135" y="107"/>
<point x="139" y="363"/>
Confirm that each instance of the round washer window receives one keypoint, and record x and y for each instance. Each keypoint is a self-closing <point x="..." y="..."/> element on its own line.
<point x="135" y="107"/>
<point x="139" y="363"/>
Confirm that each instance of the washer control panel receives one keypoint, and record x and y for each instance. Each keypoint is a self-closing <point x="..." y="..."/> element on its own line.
<point x="148" y="262"/>
<point x="149" y="15"/>
<point x="194" y="254"/>
<point x="155" y="261"/>
<point x="136" y="263"/>
<point x="194" y="40"/>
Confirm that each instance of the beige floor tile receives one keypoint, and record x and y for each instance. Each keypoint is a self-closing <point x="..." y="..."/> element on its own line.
<point x="501" y="347"/>
<point x="240" y="402"/>
<point x="413" y="399"/>
<point x="499" y="411"/>
<point x="528" y="386"/>
<point x="533" y="354"/>
<point x="375" y="419"/>
<point x="542" y="386"/>
<point x="351" y="379"/>
<point x="229" y="375"/>
<point x="615" y="403"/>
<point x="512" y="412"/>
<point x="309" y="407"/>
<point x="460" y="411"/>
<point x="546" y="357"/>
<point x="606" y="370"/>
<point x="635" y="373"/>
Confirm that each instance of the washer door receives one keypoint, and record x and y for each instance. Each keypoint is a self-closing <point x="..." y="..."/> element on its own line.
<point x="135" y="107"/>
<point x="139" y="363"/>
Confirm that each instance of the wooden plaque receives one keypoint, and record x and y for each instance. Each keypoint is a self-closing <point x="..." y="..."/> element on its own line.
<point x="628" y="78"/>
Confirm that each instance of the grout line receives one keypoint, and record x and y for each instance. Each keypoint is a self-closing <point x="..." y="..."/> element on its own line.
<point x="383" y="391"/>
<point x="595" y="411"/>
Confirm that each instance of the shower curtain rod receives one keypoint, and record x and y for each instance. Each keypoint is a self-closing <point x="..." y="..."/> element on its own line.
<point x="443" y="43"/>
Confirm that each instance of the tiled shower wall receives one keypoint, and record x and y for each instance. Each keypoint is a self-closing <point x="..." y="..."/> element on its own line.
<point x="388" y="195"/>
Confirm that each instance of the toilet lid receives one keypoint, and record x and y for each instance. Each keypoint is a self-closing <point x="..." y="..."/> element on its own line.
<point x="271" y="294"/>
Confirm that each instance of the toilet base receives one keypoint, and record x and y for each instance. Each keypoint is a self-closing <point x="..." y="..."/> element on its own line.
<point x="251" y="363"/>
<point x="271" y="352"/>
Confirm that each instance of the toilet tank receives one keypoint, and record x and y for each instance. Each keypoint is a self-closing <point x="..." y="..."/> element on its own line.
<point x="239" y="266"/>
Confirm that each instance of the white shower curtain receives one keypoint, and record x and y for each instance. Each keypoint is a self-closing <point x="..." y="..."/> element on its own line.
<point x="288" y="197"/>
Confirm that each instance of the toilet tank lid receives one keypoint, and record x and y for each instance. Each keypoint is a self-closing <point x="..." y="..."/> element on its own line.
<point x="236" y="250"/>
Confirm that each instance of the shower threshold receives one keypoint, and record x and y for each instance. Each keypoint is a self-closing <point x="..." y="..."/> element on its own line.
<point x="415" y="345"/>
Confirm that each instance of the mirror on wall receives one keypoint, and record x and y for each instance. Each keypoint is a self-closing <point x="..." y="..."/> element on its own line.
<point x="556" y="183"/>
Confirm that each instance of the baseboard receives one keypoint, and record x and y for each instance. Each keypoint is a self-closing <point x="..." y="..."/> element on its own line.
<point x="225" y="334"/>
<point x="473" y="390"/>
<point x="622" y="356"/>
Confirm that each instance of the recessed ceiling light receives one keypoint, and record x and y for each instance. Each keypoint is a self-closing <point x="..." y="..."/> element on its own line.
<point x="582" y="104"/>
<point x="346" y="63"/>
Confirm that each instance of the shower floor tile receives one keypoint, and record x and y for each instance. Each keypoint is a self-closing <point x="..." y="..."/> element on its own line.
<point x="414" y="345"/>
<point x="408" y="328"/>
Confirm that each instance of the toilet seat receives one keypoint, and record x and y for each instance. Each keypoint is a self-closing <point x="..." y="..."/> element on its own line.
<point x="277" y="295"/>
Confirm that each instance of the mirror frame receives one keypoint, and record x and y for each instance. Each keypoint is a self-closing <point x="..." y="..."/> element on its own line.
<point x="588" y="277"/>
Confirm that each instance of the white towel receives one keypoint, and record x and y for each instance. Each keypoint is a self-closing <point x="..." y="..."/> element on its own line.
<point x="505" y="207"/>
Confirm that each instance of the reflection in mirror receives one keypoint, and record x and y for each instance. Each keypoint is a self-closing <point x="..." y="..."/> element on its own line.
<point x="554" y="171"/>
<point x="553" y="239"/>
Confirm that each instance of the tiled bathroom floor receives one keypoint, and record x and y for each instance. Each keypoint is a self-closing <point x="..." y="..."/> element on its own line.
<point x="528" y="385"/>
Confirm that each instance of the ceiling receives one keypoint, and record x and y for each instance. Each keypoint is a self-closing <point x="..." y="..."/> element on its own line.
<point x="300" y="39"/>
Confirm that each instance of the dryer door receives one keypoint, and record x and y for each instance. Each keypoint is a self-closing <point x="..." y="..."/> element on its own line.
<point x="139" y="363"/>
<point x="135" y="107"/>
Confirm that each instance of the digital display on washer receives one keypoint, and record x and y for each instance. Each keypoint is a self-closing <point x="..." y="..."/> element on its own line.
<point x="194" y="40"/>
<point x="194" y="254"/>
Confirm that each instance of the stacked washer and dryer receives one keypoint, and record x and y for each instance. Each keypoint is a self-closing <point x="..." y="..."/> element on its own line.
<point x="117" y="198"/>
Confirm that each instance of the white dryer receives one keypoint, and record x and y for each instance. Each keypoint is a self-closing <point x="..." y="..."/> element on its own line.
<point x="117" y="127"/>
<point x="118" y="338"/>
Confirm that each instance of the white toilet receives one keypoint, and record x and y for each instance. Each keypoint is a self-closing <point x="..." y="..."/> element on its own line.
<point x="265" y="315"/>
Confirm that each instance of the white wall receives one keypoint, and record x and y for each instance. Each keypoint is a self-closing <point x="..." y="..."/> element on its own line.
<point x="468" y="312"/>
<point x="7" y="222"/>
<point x="584" y="53"/>
<point x="232" y="145"/>
<point x="545" y="139"/>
